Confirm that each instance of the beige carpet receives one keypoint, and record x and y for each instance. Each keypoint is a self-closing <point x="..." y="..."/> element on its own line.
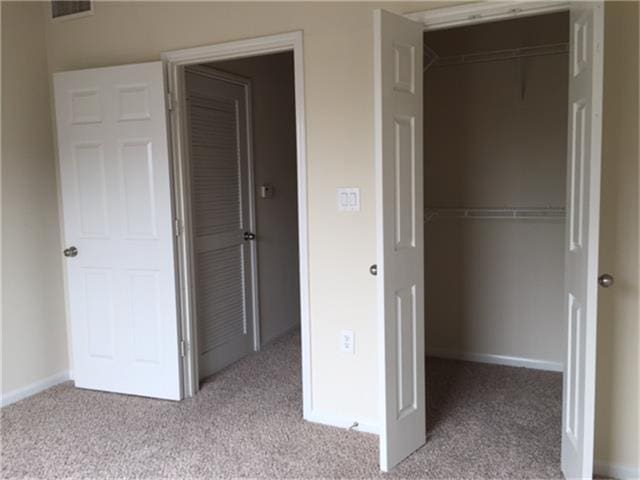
<point x="484" y="422"/>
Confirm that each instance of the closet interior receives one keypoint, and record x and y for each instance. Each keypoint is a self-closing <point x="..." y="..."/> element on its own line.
<point x="495" y="136"/>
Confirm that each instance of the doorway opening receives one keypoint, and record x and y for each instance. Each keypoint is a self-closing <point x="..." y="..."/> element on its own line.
<point x="240" y="182"/>
<point x="242" y="165"/>
<point x="495" y="181"/>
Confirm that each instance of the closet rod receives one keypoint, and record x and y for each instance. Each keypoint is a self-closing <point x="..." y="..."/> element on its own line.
<point x="515" y="213"/>
<point x="499" y="55"/>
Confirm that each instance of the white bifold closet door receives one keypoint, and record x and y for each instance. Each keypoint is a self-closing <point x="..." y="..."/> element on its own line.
<point x="222" y="216"/>
<point x="400" y="244"/>
<point x="582" y="234"/>
<point x="116" y="196"/>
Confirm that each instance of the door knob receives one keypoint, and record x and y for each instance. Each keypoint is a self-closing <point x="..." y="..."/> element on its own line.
<point x="249" y="236"/>
<point x="605" y="280"/>
<point x="70" y="252"/>
<point x="373" y="269"/>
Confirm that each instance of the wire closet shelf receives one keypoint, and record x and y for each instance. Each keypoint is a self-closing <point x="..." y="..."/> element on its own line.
<point x="432" y="59"/>
<point x="505" y="213"/>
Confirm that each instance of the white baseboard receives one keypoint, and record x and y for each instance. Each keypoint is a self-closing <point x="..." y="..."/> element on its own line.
<point x="497" y="359"/>
<point x="36" y="387"/>
<point x="366" y="425"/>
<point x="618" y="471"/>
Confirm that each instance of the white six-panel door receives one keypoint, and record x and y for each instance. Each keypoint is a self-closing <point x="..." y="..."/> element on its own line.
<point x="116" y="196"/>
<point x="581" y="254"/>
<point x="400" y="250"/>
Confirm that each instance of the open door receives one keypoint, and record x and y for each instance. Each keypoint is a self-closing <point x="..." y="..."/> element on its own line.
<point x="223" y="216"/>
<point x="116" y="198"/>
<point x="583" y="219"/>
<point x="400" y="250"/>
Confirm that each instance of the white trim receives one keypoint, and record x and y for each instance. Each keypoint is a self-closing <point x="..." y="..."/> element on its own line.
<point x="497" y="359"/>
<point x="292" y="41"/>
<point x="615" y="470"/>
<point x="481" y="12"/>
<point x="33" y="388"/>
<point x="331" y="420"/>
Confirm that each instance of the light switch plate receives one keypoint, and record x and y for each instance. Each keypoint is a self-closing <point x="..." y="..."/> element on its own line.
<point x="348" y="199"/>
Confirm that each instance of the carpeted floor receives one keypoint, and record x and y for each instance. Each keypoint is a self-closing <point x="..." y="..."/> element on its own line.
<point x="483" y="421"/>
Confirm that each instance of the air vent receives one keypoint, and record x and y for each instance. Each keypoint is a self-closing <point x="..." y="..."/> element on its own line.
<point x="67" y="9"/>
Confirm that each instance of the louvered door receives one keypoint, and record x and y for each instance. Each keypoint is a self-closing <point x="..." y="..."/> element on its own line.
<point x="222" y="215"/>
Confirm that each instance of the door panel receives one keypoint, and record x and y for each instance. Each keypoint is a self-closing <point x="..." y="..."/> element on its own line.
<point x="222" y="209"/>
<point x="116" y="196"/>
<point x="398" y="102"/>
<point x="583" y="203"/>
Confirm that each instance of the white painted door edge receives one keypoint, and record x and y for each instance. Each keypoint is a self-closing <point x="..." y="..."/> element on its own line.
<point x="174" y="61"/>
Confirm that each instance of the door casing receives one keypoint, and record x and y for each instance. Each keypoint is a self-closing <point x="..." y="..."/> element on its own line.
<point x="174" y="62"/>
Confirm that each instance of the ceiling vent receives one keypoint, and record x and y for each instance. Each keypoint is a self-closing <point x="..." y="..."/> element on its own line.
<point x="68" y="9"/>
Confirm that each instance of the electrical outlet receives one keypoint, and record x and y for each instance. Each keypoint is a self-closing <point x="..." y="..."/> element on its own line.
<point x="347" y="341"/>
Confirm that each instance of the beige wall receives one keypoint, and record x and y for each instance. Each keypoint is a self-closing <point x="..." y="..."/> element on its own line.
<point x="618" y="373"/>
<point x="34" y="344"/>
<point x="494" y="287"/>
<point x="339" y="100"/>
<point x="338" y="64"/>
<point x="274" y="158"/>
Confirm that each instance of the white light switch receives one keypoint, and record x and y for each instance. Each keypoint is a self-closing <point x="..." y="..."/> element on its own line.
<point x="347" y="341"/>
<point x="349" y="199"/>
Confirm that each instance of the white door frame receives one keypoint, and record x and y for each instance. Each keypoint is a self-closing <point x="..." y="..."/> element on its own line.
<point x="175" y="61"/>
<point x="481" y="12"/>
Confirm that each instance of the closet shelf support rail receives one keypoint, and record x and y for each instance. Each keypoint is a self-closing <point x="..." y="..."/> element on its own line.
<point x="497" y="55"/>
<point x="517" y="213"/>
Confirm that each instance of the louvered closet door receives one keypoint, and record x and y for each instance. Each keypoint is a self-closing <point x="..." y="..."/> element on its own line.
<point x="221" y="214"/>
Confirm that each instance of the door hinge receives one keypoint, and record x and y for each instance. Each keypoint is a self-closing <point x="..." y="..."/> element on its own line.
<point x="169" y="102"/>
<point x="177" y="226"/>
<point x="183" y="348"/>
